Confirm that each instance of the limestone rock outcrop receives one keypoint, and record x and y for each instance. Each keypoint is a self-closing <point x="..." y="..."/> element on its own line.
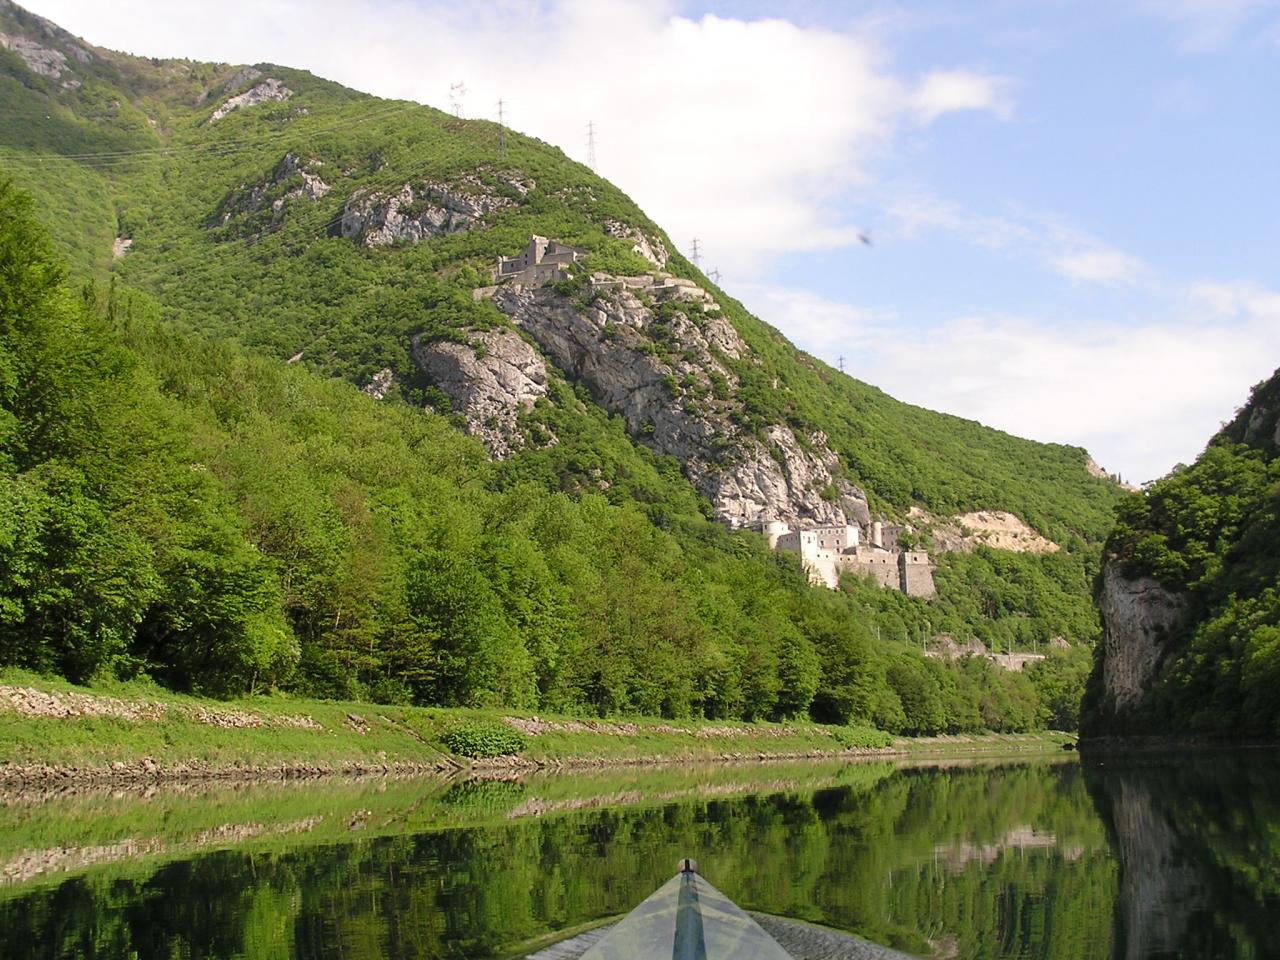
<point x="380" y="384"/>
<point x="240" y="78"/>
<point x="40" y="59"/>
<point x="1139" y="617"/>
<point x="292" y="179"/>
<point x="663" y="374"/>
<point x="997" y="529"/>
<point x="1262" y="428"/>
<point x="427" y="208"/>
<point x="48" y="61"/>
<point x="267" y="91"/>
<point x="490" y="381"/>
<point x="651" y="248"/>
<point x="1001" y="530"/>
<point x="312" y="187"/>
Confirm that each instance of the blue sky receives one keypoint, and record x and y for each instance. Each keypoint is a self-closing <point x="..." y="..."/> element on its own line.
<point x="1074" y="205"/>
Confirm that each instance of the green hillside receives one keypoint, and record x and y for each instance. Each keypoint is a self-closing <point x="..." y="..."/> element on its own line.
<point x="370" y="549"/>
<point x="1210" y="534"/>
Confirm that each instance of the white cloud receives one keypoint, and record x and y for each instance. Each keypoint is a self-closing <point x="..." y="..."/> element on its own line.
<point x="1140" y="397"/>
<point x="743" y="133"/>
<point x="913" y="214"/>
<point x="1097" y="266"/>
<point x="945" y="91"/>
<point x="1207" y="25"/>
<point x="1065" y="250"/>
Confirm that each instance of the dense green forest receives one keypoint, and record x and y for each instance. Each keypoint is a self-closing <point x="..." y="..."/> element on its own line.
<point x="223" y="522"/>
<point x="182" y="503"/>
<point x="1210" y="533"/>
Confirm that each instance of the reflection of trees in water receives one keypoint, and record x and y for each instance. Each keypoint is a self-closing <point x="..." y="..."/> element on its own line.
<point x="1199" y="847"/>
<point x="863" y="855"/>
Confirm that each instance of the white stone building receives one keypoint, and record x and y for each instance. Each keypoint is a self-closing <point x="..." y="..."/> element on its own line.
<point x="828" y="551"/>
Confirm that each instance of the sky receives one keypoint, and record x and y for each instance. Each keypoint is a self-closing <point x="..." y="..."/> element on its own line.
<point x="1073" y="206"/>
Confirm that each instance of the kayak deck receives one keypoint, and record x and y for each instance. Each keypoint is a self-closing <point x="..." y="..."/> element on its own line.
<point x="689" y="919"/>
<point x="686" y="919"/>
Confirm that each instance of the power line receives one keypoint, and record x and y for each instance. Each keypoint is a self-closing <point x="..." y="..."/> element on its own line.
<point x="591" y="144"/>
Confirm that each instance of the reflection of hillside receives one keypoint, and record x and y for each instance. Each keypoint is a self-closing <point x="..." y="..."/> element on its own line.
<point x="467" y="869"/>
<point x="49" y="833"/>
<point x="957" y="855"/>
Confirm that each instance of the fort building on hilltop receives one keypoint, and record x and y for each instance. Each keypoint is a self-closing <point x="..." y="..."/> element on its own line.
<point x="827" y="552"/>
<point x="542" y="261"/>
<point x="545" y="261"/>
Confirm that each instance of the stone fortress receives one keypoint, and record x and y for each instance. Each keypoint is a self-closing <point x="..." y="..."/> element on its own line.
<point x="546" y="261"/>
<point x="542" y="261"/>
<point x="827" y="552"/>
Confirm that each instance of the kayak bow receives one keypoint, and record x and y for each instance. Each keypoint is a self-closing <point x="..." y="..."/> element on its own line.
<point x="686" y="919"/>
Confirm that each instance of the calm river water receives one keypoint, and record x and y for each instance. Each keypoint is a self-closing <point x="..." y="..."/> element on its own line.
<point x="1128" y="858"/>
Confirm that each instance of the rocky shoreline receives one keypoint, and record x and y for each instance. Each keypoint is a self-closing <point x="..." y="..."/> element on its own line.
<point x="148" y="770"/>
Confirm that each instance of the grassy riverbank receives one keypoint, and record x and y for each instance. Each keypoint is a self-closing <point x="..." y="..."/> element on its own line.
<point x="53" y="729"/>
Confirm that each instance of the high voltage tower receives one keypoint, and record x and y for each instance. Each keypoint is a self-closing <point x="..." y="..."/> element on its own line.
<point x="840" y="363"/>
<point x="502" y="131"/>
<point x="696" y="256"/>
<point x="591" y="144"/>
<point x="456" y="92"/>
<point x="714" y="275"/>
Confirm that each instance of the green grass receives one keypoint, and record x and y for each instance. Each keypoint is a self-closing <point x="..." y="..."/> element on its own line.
<point x="410" y="735"/>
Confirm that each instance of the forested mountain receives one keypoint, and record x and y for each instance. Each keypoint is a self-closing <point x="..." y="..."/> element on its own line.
<point x="1190" y="592"/>
<point x="199" y="488"/>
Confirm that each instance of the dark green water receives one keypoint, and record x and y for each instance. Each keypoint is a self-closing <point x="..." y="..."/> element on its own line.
<point x="1129" y="858"/>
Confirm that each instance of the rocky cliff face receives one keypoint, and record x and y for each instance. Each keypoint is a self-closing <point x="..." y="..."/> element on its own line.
<point x="1258" y="424"/>
<point x="1138" y="618"/>
<point x="427" y="208"/>
<point x="292" y="179"/>
<point x="490" y="381"/>
<point x="45" y="48"/>
<point x="267" y="91"/>
<point x="997" y="529"/>
<point x="664" y="370"/>
<point x="651" y="248"/>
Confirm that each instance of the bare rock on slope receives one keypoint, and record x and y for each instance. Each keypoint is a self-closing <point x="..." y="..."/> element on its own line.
<point x="1139" y="617"/>
<point x="267" y="91"/>
<point x="666" y="377"/>
<point x="490" y="381"/>
<point x="424" y="209"/>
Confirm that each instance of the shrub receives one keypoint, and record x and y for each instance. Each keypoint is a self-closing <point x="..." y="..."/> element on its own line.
<point x="861" y="737"/>
<point x="479" y="739"/>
